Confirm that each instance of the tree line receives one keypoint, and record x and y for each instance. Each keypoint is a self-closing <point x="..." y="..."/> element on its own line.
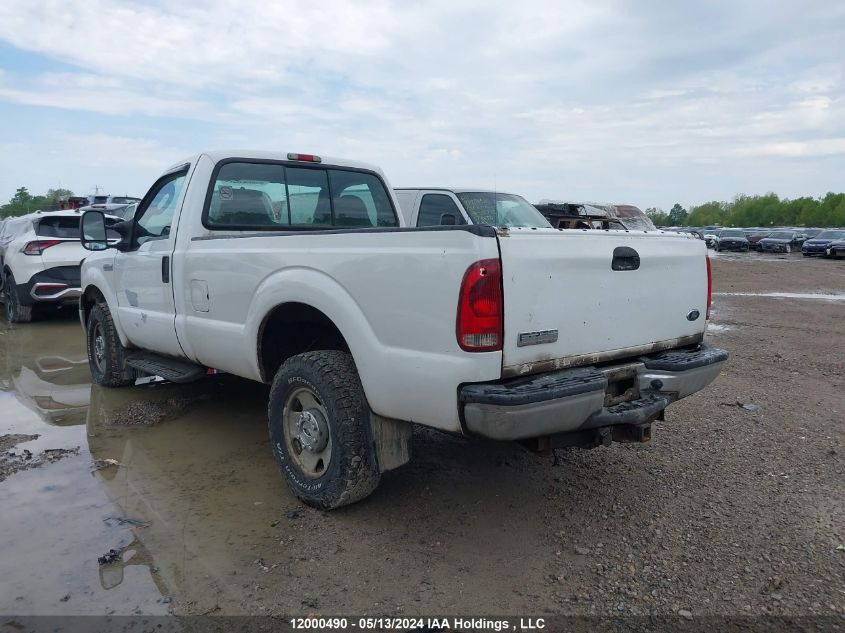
<point x="24" y="202"/>
<point x="766" y="210"/>
<point x="743" y="210"/>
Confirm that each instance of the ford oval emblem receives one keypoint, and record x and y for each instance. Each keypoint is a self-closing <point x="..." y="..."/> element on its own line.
<point x="693" y="315"/>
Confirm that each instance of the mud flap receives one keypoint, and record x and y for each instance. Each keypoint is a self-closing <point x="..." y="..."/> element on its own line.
<point x="392" y="441"/>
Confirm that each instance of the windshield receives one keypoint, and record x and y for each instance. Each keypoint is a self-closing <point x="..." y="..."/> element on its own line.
<point x="732" y="234"/>
<point x="502" y="209"/>
<point x="781" y="235"/>
<point x="830" y="235"/>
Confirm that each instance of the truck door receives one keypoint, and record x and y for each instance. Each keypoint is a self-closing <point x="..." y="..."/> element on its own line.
<point x="143" y="273"/>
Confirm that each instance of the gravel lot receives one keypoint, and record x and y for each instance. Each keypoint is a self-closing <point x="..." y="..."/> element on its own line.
<point x="729" y="510"/>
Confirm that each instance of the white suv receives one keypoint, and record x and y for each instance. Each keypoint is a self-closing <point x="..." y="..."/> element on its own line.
<point x="41" y="260"/>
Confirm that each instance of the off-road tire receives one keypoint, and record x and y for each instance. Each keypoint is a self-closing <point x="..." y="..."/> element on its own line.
<point x="15" y="312"/>
<point x="112" y="371"/>
<point x="351" y="474"/>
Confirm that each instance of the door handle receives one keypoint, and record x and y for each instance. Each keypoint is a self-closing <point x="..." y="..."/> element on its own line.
<point x="625" y="258"/>
<point x="165" y="269"/>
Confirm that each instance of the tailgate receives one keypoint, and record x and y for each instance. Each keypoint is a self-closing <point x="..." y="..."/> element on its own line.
<point x="565" y="305"/>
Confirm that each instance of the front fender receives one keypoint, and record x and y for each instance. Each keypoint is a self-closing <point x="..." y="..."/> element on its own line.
<point x="96" y="276"/>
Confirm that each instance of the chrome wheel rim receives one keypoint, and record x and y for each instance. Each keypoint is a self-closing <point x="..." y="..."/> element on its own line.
<point x="307" y="434"/>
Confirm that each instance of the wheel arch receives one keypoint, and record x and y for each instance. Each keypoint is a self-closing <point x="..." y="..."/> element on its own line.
<point x="292" y="328"/>
<point x="91" y="296"/>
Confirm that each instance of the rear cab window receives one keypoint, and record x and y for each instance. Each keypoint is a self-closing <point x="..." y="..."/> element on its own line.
<point x="247" y="195"/>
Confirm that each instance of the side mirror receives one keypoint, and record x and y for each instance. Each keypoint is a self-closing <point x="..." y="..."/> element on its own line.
<point x="92" y="229"/>
<point x="447" y="219"/>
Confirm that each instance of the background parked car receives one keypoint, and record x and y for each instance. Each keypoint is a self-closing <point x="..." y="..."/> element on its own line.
<point x="781" y="242"/>
<point x="10" y="229"/>
<point x="122" y="211"/>
<point x="711" y="237"/>
<point x="732" y="240"/>
<point x="754" y="239"/>
<point x="836" y="249"/>
<point x="41" y="263"/>
<point x="103" y="199"/>
<point x="818" y="245"/>
<point x="695" y="232"/>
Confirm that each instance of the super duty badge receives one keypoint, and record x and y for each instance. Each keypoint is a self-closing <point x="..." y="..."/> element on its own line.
<point x="536" y="338"/>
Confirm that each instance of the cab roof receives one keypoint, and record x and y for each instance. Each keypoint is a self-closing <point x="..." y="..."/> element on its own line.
<point x="224" y="154"/>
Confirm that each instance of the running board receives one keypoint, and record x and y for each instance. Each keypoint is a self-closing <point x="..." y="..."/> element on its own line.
<point x="170" y="369"/>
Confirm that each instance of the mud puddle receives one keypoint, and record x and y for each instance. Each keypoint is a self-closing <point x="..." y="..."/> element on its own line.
<point x="177" y="483"/>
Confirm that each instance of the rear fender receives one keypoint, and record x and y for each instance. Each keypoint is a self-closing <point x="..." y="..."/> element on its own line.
<point x="320" y="291"/>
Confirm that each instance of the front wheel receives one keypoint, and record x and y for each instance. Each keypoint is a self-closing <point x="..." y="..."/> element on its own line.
<point x="319" y="430"/>
<point x="15" y="312"/>
<point x="788" y="248"/>
<point x="105" y="352"/>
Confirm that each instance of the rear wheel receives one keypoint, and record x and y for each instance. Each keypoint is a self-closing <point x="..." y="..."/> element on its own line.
<point x="15" y="312"/>
<point x="788" y="248"/>
<point x="319" y="430"/>
<point x="106" y="355"/>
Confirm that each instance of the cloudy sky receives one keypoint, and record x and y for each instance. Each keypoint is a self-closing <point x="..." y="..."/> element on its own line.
<point x="621" y="101"/>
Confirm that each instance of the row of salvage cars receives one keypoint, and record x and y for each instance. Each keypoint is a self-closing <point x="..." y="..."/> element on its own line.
<point x="822" y="242"/>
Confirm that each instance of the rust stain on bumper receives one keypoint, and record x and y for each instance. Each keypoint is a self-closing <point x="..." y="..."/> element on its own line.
<point x="540" y="366"/>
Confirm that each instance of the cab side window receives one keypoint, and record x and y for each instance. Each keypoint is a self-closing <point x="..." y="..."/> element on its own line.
<point x="154" y="220"/>
<point x="360" y="200"/>
<point x="434" y="206"/>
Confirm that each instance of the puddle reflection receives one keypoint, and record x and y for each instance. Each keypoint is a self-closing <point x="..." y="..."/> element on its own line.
<point x="179" y="480"/>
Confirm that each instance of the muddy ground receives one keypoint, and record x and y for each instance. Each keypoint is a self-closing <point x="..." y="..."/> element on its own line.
<point x="726" y="511"/>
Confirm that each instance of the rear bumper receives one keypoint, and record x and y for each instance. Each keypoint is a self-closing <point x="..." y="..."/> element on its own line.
<point x="574" y="400"/>
<point x="60" y="284"/>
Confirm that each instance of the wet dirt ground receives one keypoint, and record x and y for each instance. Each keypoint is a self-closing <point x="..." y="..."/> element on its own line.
<point x="727" y="510"/>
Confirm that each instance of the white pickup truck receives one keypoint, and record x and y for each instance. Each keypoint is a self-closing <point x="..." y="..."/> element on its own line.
<point x="300" y="271"/>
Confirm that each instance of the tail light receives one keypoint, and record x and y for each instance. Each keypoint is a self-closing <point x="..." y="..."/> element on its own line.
<point x="709" y="286"/>
<point x="480" y="323"/>
<point x="38" y="246"/>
